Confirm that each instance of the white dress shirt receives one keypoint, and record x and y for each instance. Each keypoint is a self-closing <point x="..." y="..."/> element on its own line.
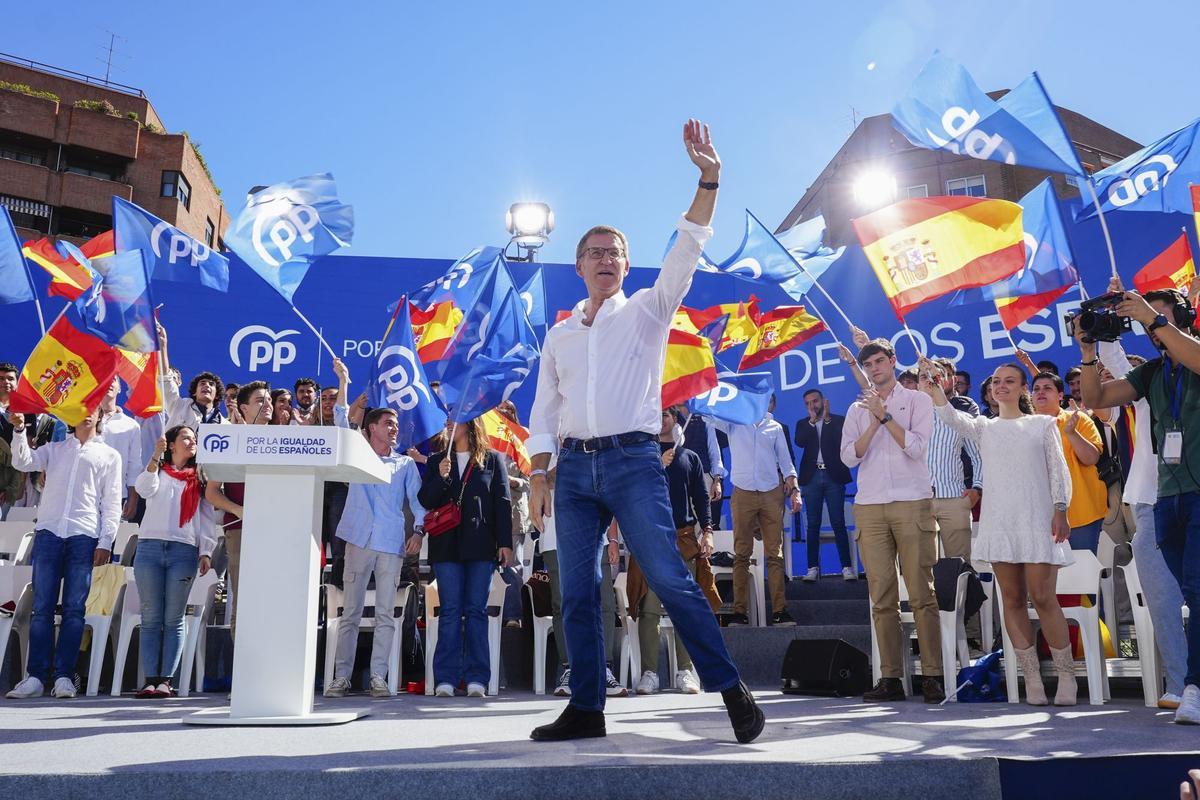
<point x="83" y="487"/>
<point x="161" y="520"/>
<point x="605" y="379"/>
<point x="759" y="454"/>
<point x="122" y="433"/>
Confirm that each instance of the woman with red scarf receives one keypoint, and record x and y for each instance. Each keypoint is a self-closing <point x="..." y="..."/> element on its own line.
<point x="176" y="539"/>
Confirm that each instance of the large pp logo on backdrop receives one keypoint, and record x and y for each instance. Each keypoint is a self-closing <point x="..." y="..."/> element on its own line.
<point x="398" y="379"/>
<point x="264" y="347"/>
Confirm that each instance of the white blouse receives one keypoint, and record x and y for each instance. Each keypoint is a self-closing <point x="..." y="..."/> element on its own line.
<point x="161" y="520"/>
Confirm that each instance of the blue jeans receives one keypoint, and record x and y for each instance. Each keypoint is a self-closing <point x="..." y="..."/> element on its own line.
<point x="66" y="563"/>
<point x="1177" y="526"/>
<point x="1086" y="537"/>
<point x="626" y="481"/>
<point x="164" y="572"/>
<point x="1163" y="598"/>
<point x="824" y="491"/>
<point x="463" y="592"/>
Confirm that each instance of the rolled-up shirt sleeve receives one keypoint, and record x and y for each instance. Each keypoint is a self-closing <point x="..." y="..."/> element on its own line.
<point x="679" y="266"/>
<point x="916" y="436"/>
<point x="547" y="405"/>
<point x="852" y="428"/>
<point x="341" y="416"/>
<point x="782" y="456"/>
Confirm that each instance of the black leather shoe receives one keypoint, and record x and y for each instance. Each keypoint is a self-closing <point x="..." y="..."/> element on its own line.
<point x="572" y="723"/>
<point x="745" y="715"/>
<point x="886" y="691"/>
<point x="933" y="690"/>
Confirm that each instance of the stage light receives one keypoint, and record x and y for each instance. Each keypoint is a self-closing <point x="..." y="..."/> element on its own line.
<point x="874" y="189"/>
<point x="530" y="225"/>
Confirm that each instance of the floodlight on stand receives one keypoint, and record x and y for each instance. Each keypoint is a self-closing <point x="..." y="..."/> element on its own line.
<point x="874" y="189"/>
<point x="530" y="225"/>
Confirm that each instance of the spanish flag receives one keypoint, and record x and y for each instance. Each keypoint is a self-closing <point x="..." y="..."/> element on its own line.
<point x="1015" y="310"/>
<point x="743" y="322"/>
<point x="779" y="330"/>
<point x="689" y="368"/>
<point x="507" y="437"/>
<point x="1173" y="268"/>
<point x="1196" y="205"/>
<point x="67" y="374"/>
<point x="433" y="329"/>
<point x="140" y="372"/>
<point x="68" y="278"/>
<point x="926" y="247"/>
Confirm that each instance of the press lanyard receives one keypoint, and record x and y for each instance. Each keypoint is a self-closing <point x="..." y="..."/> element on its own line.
<point x="1178" y="389"/>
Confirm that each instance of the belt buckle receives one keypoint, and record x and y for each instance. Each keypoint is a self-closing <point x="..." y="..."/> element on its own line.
<point x="587" y="443"/>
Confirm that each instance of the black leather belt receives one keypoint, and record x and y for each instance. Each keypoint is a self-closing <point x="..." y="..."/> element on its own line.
<point x="607" y="442"/>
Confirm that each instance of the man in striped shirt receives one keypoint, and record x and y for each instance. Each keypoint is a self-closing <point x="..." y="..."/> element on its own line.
<point x="952" y="498"/>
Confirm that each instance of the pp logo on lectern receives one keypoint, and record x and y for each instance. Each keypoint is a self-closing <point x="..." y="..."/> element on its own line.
<point x="216" y="443"/>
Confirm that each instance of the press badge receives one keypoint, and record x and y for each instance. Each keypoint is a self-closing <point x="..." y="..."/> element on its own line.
<point x="1172" y="450"/>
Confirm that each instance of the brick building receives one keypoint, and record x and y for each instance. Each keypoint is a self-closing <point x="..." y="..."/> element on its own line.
<point x="877" y="147"/>
<point x="69" y="142"/>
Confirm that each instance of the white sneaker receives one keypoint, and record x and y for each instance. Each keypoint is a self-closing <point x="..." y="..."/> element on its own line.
<point x="812" y="575"/>
<point x="379" y="687"/>
<point x="30" y="687"/>
<point x="476" y="690"/>
<point x="443" y="690"/>
<point x="1169" y="701"/>
<point x="685" y="681"/>
<point x="1188" y="712"/>
<point x="64" y="689"/>
<point x="849" y="574"/>
<point x="648" y="683"/>
<point x="338" y="687"/>
<point x="612" y="688"/>
<point x="563" y="689"/>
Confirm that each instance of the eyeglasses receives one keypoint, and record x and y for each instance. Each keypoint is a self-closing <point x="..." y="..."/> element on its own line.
<point x="600" y="252"/>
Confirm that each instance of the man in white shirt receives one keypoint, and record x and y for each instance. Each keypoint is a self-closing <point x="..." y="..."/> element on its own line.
<point x="123" y="434"/>
<point x="78" y="516"/>
<point x="763" y="478"/>
<point x="599" y="388"/>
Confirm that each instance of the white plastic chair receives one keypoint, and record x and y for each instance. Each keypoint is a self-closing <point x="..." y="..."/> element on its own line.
<point x="1082" y="577"/>
<point x="952" y="626"/>
<point x="129" y="620"/>
<point x="987" y="613"/>
<point x="200" y="603"/>
<point x="757" y="606"/>
<point x="11" y="534"/>
<point x="495" y="601"/>
<point x="101" y="625"/>
<point x="541" y="636"/>
<point x="125" y="532"/>
<point x="335" y="600"/>
<point x="631" y="653"/>
<point x="22" y="514"/>
<point x="1106" y="552"/>
<point x="14" y="581"/>
<point x="1143" y="629"/>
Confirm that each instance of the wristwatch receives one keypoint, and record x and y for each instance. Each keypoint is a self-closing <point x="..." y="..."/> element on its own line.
<point x="885" y="419"/>
<point x="1159" y="321"/>
<point x="1060" y="506"/>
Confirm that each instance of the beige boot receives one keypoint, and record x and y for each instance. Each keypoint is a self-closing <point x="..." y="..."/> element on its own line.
<point x="1064" y="663"/>
<point x="1035" y="691"/>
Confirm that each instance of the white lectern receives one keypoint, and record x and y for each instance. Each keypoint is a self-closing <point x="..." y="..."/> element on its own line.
<point x="284" y="469"/>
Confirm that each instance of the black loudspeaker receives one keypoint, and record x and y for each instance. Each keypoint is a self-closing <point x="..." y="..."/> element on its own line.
<point x="826" y="667"/>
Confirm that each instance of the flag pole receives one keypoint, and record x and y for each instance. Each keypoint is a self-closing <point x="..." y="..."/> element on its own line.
<point x="911" y="337"/>
<point x="41" y="319"/>
<point x="1112" y="260"/>
<point x="316" y="333"/>
<point x="832" y="333"/>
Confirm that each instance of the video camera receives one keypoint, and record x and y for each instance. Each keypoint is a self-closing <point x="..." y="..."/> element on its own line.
<point x="1098" y="320"/>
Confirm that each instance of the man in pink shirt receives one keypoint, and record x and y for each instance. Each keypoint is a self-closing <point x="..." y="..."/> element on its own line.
<point x="885" y="435"/>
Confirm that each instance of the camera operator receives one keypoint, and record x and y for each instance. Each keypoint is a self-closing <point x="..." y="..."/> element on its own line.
<point x="1171" y="385"/>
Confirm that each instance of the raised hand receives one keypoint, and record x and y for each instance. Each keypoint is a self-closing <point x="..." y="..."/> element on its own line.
<point x="1073" y="420"/>
<point x="668" y="457"/>
<point x="926" y="383"/>
<point x="16" y="419"/>
<point x="341" y="371"/>
<point x="859" y="336"/>
<point x="1027" y="361"/>
<point x="700" y="149"/>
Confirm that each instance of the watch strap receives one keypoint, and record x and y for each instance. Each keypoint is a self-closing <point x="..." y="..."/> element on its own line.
<point x="710" y="186"/>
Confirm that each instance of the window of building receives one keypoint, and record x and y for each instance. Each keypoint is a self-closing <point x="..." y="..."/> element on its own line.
<point x="80" y="223"/>
<point x="175" y="185"/>
<point x="27" y="213"/>
<point x="17" y="153"/>
<point x="1072" y="181"/>
<point x="105" y="172"/>
<point x="974" y="186"/>
<point x="920" y="190"/>
<point x="1107" y="161"/>
<point x="209" y="232"/>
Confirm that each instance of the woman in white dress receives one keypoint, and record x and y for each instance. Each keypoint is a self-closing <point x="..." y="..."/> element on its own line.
<point x="1023" y="528"/>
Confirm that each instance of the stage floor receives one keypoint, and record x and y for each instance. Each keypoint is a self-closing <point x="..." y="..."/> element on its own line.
<point x="421" y="747"/>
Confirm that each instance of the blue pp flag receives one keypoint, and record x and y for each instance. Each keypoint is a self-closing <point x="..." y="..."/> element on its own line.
<point x="1049" y="262"/>
<point x="1154" y="178"/>
<point x="715" y="331"/>
<point x="463" y="281"/>
<point x="803" y="241"/>
<point x="496" y="363"/>
<point x="398" y="382"/>
<point x="760" y="257"/>
<point x="738" y="398"/>
<point x="946" y="110"/>
<point x="175" y="256"/>
<point x="284" y="227"/>
<point x="479" y="295"/>
<point x="16" y="285"/>
<point x="118" y="307"/>
<point x="534" y="296"/>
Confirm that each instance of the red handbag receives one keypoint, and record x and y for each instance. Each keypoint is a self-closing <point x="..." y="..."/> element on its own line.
<point x="446" y="518"/>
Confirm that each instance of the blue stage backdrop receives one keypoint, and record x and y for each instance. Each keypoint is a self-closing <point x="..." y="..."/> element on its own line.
<point x="251" y="333"/>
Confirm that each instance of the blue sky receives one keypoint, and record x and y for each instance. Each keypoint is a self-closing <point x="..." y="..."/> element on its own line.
<point x="434" y="118"/>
